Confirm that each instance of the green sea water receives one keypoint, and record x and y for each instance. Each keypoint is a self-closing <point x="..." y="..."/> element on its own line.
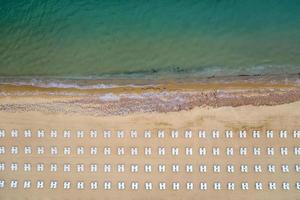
<point x="108" y="38"/>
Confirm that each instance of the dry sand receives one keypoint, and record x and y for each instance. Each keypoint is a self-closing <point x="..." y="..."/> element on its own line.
<point x="52" y="112"/>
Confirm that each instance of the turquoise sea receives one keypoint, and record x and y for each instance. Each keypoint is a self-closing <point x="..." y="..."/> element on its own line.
<point x="156" y="39"/>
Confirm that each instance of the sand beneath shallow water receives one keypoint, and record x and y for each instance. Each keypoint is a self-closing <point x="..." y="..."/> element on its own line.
<point x="62" y="112"/>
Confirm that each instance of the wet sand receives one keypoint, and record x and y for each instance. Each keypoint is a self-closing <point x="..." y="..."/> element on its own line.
<point x="168" y="97"/>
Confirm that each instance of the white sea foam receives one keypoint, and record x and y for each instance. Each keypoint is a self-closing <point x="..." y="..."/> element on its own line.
<point x="109" y="97"/>
<point x="65" y="85"/>
<point x="69" y="85"/>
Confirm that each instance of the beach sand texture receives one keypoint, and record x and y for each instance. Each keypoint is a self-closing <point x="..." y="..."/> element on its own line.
<point x="25" y="112"/>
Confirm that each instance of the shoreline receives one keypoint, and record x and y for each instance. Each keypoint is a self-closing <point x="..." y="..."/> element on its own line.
<point x="95" y="82"/>
<point x="163" y="98"/>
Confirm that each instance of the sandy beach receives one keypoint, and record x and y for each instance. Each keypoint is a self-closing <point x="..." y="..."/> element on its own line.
<point x="149" y="100"/>
<point x="201" y="107"/>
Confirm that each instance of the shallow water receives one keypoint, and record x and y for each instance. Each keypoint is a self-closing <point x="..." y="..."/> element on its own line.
<point x="155" y="39"/>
